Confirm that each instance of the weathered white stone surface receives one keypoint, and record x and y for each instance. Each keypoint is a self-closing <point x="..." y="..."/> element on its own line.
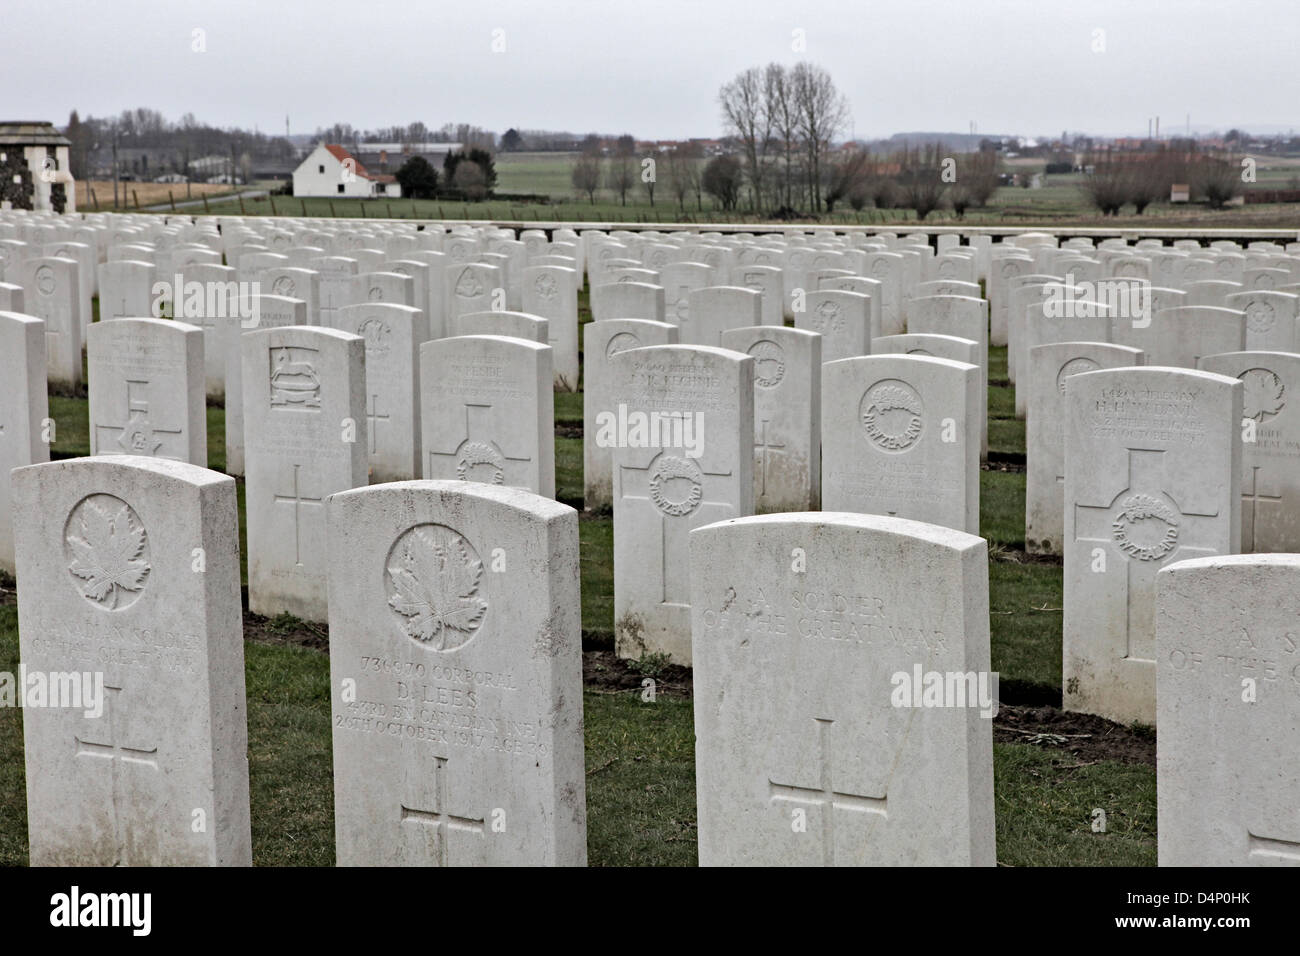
<point x="455" y="614"/>
<point x="130" y="571"/>
<point x="801" y="625"/>
<point x="1152" y="476"/>
<point x="305" y="438"/>
<point x="269" y="312"/>
<point x="602" y="340"/>
<point x="787" y="415"/>
<point x="1048" y="368"/>
<point x="901" y="437"/>
<point x="690" y="465"/>
<point x="24" y="410"/>
<point x="393" y="335"/>
<point x="146" y="389"/>
<point x="627" y="300"/>
<point x="1228" y="711"/>
<point x="551" y="293"/>
<point x="1270" y="446"/>
<point x="487" y="412"/>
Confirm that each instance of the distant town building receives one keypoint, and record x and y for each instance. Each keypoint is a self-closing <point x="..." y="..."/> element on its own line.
<point x="34" y="170"/>
<point x="331" y="170"/>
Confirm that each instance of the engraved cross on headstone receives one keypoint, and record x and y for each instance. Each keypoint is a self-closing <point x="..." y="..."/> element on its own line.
<point x="373" y="414"/>
<point x="825" y="796"/>
<point x="473" y="411"/>
<point x="764" y="446"/>
<point x="1100" y="524"/>
<point x="673" y="529"/>
<point x="438" y="823"/>
<point x="1254" y="497"/>
<point x="297" y="500"/>
<point x="119" y="756"/>
<point x="138" y="435"/>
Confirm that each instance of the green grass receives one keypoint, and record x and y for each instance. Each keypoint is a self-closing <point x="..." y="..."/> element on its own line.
<point x="640" y="756"/>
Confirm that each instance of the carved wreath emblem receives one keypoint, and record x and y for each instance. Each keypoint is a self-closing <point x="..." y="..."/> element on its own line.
<point x="892" y="415"/>
<point x="1260" y="316"/>
<point x="45" y="281"/>
<point x="284" y="285"/>
<point x="474" y="457"/>
<point x="545" y="286"/>
<point x="108" y="551"/>
<point x="769" y="363"/>
<point x="620" y="343"/>
<point x="676" y="485"/>
<point x="1145" y="528"/>
<point x="1073" y="367"/>
<point x="432" y="577"/>
<point x="467" y="285"/>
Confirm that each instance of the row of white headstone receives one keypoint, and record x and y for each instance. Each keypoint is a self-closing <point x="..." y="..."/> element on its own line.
<point x="837" y="682"/>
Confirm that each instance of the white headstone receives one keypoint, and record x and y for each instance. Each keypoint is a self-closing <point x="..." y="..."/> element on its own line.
<point x="551" y="293"/>
<point x="787" y="415"/>
<point x="1152" y="476"/>
<point x="393" y="335"/>
<point x="465" y="748"/>
<point x="627" y="300"/>
<point x="830" y="616"/>
<point x="901" y="437"/>
<point x="305" y="438"/>
<point x="50" y="293"/>
<point x="137" y="593"/>
<point x="24" y="411"/>
<point x="269" y="312"/>
<point x="487" y="412"/>
<point x="1229" y="714"/>
<point x="682" y="427"/>
<point x="146" y="389"/>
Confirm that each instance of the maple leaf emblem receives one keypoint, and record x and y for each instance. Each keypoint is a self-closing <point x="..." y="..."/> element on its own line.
<point x="106" y="554"/>
<point x="435" y="587"/>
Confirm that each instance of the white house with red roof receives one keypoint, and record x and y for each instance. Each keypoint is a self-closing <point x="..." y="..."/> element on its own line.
<point x="330" y="170"/>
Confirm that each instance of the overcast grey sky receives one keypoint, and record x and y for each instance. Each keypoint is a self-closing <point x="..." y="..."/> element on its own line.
<point x="653" y="67"/>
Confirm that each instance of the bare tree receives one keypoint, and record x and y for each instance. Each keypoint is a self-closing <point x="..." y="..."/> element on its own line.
<point x="1216" y="180"/>
<point x="620" y="176"/>
<point x="470" y="180"/>
<point x="586" y="175"/>
<point x="846" y="177"/>
<point x="722" y="179"/>
<point x="821" y="113"/>
<point x="679" y="177"/>
<point x="920" y="178"/>
<point x="977" y="180"/>
<point x="746" y="117"/>
<point x="778" y="94"/>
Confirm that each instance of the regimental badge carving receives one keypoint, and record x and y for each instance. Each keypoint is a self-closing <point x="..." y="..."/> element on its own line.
<point x="1145" y="528"/>
<point x="683" y="305"/>
<point x="376" y="294"/>
<point x="828" y="316"/>
<point x="880" y="269"/>
<point x="659" y="258"/>
<point x="892" y="415"/>
<point x="754" y="280"/>
<point x="625" y="278"/>
<point x="432" y="576"/>
<point x="769" y="363"/>
<point x="920" y="352"/>
<point x="1009" y="269"/>
<point x="946" y="269"/>
<point x="284" y="285"/>
<point x="621" y="343"/>
<point x="377" y="333"/>
<point x="1262" y="394"/>
<point x="45" y="281"/>
<point x="1073" y="367"/>
<point x="467" y="285"/>
<point x="545" y="287"/>
<point x="107" y="551"/>
<point x="676" y="485"/>
<point x="1224" y="267"/>
<point x="1260" y="316"/>
<point x="479" y="461"/>
<point x="1263" y="281"/>
<point x="294" y="381"/>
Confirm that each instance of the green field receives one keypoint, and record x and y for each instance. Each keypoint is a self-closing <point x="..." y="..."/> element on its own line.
<point x="1059" y="202"/>
<point x="640" y="755"/>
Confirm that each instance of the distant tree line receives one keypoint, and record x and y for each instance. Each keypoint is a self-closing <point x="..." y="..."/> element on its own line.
<point x="466" y="174"/>
<point x="1114" y="180"/>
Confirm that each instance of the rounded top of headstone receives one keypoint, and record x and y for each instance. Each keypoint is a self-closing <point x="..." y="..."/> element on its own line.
<point x="883" y="525"/>
<point x="454" y="495"/>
